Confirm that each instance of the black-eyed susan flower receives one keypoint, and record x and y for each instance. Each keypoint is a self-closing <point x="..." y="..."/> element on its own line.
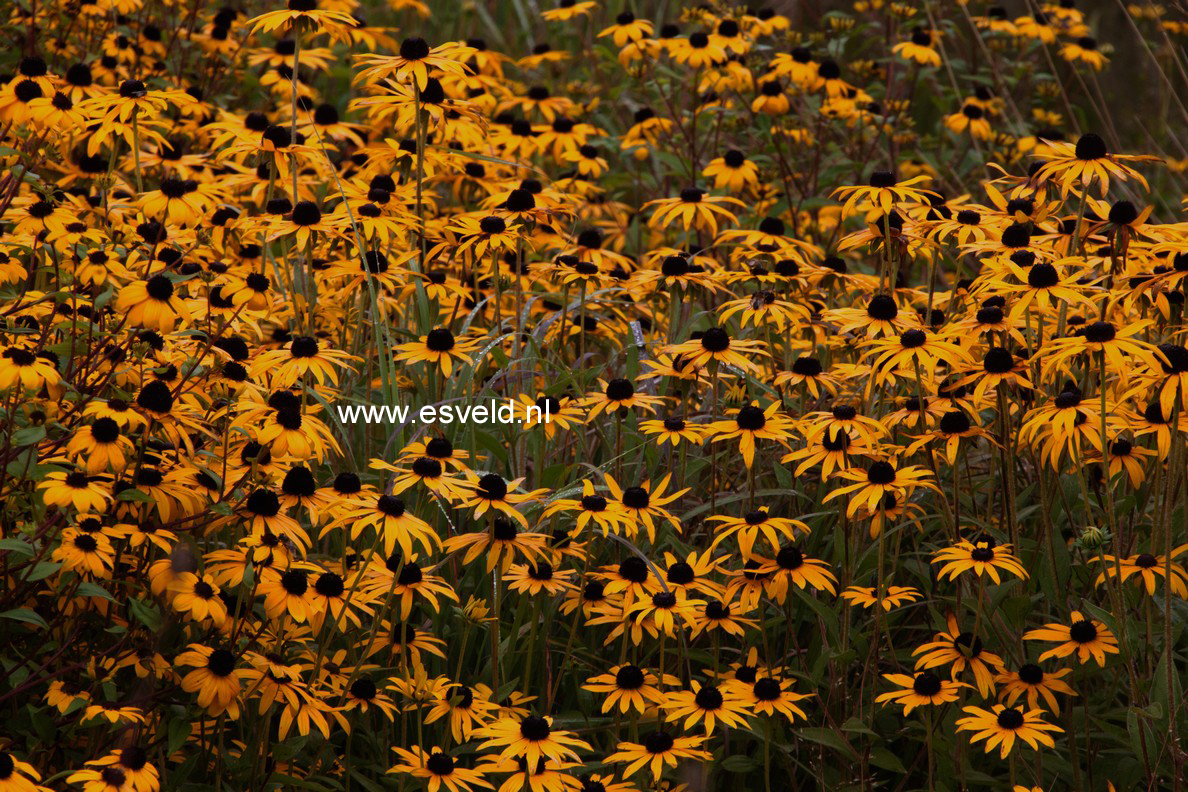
<point x="502" y="544"/>
<point x="658" y="750"/>
<point x="706" y="704"/>
<point x="913" y="350"/>
<point x="791" y="567"/>
<point x="394" y="524"/>
<point x="716" y="345"/>
<point x="1101" y="339"/>
<point x="760" y="522"/>
<point x="666" y="612"/>
<point x="438" y="768"/>
<point x="999" y="366"/>
<point x="440" y="348"/>
<point x="769" y="695"/>
<point x="644" y="505"/>
<point x="1001" y="726"/>
<point x="869" y="596"/>
<point x="883" y="192"/>
<point x="628" y="687"/>
<point x="538" y="577"/>
<point x="198" y="598"/>
<point x="215" y="678"/>
<point x="619" y="394"/>
<point x="302" y="16"/>
<point x="721" y="615"/>
<point x="607" y="514"/>
<point x="1085" y="162"/>
<point x="288" y="593"/>
<point x="530" y="737"/>
<point x="1034" y="682"/>
<point x="920" y="48"/>
<point x="301" y="356"/>
<point x="17" y="775"/>
<point x="567" y="10"/>
<point x="153" y="304"/>
<point x="492" y="493"/>
<point x="693" y="209"/>
<point x="732" y="171"/>
<point x="1147" y="569"/>
<point x="627" y="29"/>
<point x="1084" y="637"/>
<point x="91" y="555"/>
<point x="672" y="430"/>
<point x="878" y="481"/>
<point x="960" y="650"/>
<point x="467" y="707"/>
<point x="76" y="490"/>
<point x="133" y="762"/>
<point x="363" y="695"/>
<point x="982" y="557"/>
<point x="751" y="423"/>
<point x="27" y="369"/>
<point x="923" y="689"/>
<point x="101" y="447"/>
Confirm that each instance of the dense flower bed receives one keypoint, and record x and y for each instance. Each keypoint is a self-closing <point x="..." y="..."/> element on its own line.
<point x="860" y="334"/>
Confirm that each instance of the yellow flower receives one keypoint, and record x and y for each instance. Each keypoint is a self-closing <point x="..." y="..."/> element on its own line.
<point x="1001" y="726"/>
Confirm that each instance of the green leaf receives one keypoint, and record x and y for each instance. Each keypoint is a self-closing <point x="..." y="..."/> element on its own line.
<point x="43" y="724"/>
<point x="88" y="589"/>
<point x="1102" y="615"/>
<point x="883" y="759"/>
<point x="1159" y="689"/>
<point x="299" y="783"/>
<point x="739" y="763"/>
<point x="31" y="435"/>
<point x="42" y="570"/>
<point x="367" y="784"/>
<point x="146" y="613"/>
<point x="855" y="726"/>
<point x="828" y="738"/>
<point x="1139" y="731"/>
<point x="179" y="732"/>
<point x="26" y="615"/>
<point x="135" y="495"/>
<point x="16" y="546"/>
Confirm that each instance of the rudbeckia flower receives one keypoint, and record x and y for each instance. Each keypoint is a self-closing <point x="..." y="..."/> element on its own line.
<point x="153" y="304"/>
<point x="1085" y="162"/>
<point x="1034" y="682"/>
<point x="983" y="557"/>
<point x="1001" y="726"/>
<point x="627" y="686"/>
<point x="716" y="345"/>
<point x="440" y="348"/>
<point x="960" y="650"/>
<point x="707" y="704"/>
<point x="1083" y="637"/>
<point x="530" y="737"/>
<point x="413" y="62"/>
<point x="627" y="29"/>
<point x="657" y="751"/>
<point x="215" y="678"/>
<point x="304" y="16"/>
<point x="883" y="193"/>
<point x="881" y="479"/>
<point x="693" y="209"/>
<point x="439" y="769"/>
<point x="923" y="689"/>
<point x="751" y="423"/>
<point x="869" y="596"/>
<point x="919" y="48"/>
